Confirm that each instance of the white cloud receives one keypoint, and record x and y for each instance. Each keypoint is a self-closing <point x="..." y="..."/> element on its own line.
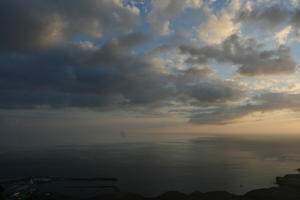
<point x="218" y="27"/>
<point x="282" y="36"/>
<point x="194" y="3"/>
<point x="295" y="2"/>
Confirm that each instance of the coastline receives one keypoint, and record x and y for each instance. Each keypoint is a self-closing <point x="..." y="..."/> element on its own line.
<point x="288" y="188"/>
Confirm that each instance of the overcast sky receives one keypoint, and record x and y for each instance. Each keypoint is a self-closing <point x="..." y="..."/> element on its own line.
<point x="102" y="66"/>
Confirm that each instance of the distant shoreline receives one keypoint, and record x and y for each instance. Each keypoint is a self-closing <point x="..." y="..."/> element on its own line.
<point x="288" y="188"/>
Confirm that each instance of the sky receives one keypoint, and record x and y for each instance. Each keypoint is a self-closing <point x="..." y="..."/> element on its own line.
<point x="76" y="68"/>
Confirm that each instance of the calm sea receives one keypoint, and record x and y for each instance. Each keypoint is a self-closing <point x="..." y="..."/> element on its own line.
<point x="212" y="162"/>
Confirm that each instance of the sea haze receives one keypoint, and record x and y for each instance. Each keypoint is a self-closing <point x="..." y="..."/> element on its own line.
<point x="213" y="162"/>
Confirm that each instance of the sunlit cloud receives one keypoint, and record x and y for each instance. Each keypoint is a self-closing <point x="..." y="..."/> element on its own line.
<point x="196" y="61"/>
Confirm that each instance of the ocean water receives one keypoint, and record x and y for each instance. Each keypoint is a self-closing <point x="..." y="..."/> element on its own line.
<point x="211" y="162"/>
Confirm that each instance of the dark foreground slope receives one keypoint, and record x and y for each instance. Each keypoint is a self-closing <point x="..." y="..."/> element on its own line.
<point x="288" y="189"/>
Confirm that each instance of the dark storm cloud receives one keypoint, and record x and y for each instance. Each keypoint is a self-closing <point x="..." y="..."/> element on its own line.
<point x="44" y="65"/>
<point x="112" y="76"/>
<point x="62" y="80"/>
<point x="246" y="53"/>
<point x="265" y="102"/>
<point x="71" y="76"/>
<point x="34" y="24"/>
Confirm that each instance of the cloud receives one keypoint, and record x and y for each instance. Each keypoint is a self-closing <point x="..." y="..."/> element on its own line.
<point x="282" y="36"/>
<point x="112" y="76"/>
<point x="264" y="16"/>
<point x="199" y="87"/>
<point x="295" y="2"/>
<point x="219" y="26"/>
<point x="89" y="54"/>
<point x="216" y="29"/>
<point x="272" y="17"/>
<point x="71" y="76"/>
<point x="266" y="102"/>
<point x="45" y="67"/>
<point x="246" y="54"/>
<point x="163" y="11"/>
<point x="32" y="25"/>
<point x="281" y="64"/>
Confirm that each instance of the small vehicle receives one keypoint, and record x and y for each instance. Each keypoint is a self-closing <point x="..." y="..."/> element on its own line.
<point x="56" y="188"/>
